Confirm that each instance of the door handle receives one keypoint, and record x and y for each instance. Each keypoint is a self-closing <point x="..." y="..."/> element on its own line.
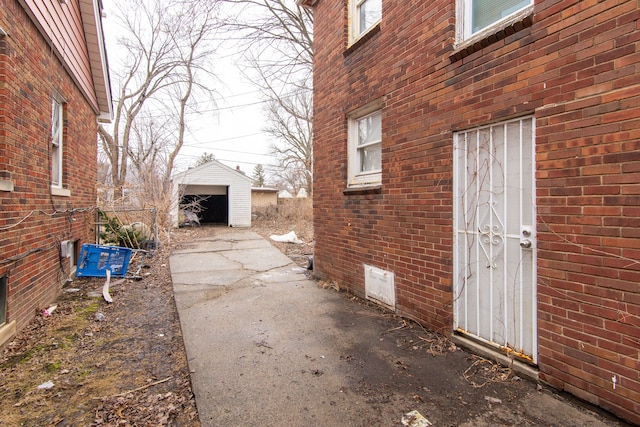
<point x="525" y="243"/>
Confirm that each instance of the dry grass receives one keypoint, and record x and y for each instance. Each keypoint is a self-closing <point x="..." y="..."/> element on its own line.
<point x="126" y="367"/>
<point x="148" y="202"/>
<point x="290" y="215"/>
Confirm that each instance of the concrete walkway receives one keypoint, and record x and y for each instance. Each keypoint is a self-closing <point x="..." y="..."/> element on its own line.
<point x="269" y="347"/>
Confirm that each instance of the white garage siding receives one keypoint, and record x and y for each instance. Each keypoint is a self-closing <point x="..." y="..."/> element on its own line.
<point x="214" y="178"/>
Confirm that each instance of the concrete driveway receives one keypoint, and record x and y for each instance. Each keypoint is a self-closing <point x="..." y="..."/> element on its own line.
<point x="269" y="347"/>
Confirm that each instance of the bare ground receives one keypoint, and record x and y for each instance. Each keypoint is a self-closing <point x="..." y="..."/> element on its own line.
<point x="124" y="363"/>
<point x="107" y="364"/>
<point x="113" y="364"/>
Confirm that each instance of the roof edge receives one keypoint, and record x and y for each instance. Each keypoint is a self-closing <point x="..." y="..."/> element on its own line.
<point x="306" y="3"/>
<point x="92" y="23"/>
<point x="184" y="174"/>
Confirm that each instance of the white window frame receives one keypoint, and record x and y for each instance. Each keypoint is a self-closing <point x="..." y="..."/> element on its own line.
<point x="57" y="140"/>
<point x="354" y="19"/>
<point x="464" y="32"/>
<point x="3" y="299"/>
<point x="57" y="146"/>
<point x="357" y="177"/>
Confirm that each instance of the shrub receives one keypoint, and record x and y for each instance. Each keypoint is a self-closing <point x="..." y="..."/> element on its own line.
<point x="116" y="233"/>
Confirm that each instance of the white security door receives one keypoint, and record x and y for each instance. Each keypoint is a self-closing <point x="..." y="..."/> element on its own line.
<point x="495" y="237"/>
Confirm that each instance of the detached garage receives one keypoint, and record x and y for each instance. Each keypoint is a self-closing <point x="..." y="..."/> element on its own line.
<point x="224" y="194"/>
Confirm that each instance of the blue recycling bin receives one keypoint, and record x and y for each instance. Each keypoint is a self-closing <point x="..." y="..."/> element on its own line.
<point x="95" y="260"/>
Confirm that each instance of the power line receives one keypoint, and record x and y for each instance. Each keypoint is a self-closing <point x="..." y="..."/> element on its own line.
<point x="165" y="112"/>
<point x="216" y="109"/>
<point x="200" y="143"/>
<point x="266" y="165"/>
<point x="243" y="152"/>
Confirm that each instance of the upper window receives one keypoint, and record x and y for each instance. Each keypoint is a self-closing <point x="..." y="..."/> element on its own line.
<point x="56" y="143"/>
<point x="365" y="149"/>
<point x="480" y="14"/>
<point x="364" y="15"/>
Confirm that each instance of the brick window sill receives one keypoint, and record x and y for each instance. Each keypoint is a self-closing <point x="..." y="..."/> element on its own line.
<point x="517" y="22"/>
<point x="6" y="185"/>
<point x="362" y="40"/>
<point x="62" y="192"/>
<point x="355" y="191"/>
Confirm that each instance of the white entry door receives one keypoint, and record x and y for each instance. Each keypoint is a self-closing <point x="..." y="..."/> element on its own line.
<point x="495" y="237"/>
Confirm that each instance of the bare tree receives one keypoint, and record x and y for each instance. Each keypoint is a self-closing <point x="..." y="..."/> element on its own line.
<point x="290" y="123"/>
<point x="167" y="45"/>
<point x="149" y="137"/>
<point x="291" y="179"/>
<point x="277" y="37"/>
<point x="280" y="30"/>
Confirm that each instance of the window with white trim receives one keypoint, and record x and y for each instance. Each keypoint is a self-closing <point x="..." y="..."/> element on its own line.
<point x="365" y="149"/>
<point x="3" y="300"/>
<point x="364" y="15"/>
<point x="477" y="15"/>
<point x="57" y="131"/>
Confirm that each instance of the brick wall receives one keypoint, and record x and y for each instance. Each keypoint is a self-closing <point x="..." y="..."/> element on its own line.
<point x="574" y="66"/>
<point x="33" y="222"/>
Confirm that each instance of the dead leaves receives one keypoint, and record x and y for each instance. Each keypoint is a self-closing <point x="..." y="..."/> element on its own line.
<point x="483" y="372"/>
<point x="325" y="284"/>
<point x="136" y="408"/>
<point x="439" y="344"/>
<point x="137" y="345"/>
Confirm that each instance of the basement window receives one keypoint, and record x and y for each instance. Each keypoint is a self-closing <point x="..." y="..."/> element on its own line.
<point x="74" y="255"/>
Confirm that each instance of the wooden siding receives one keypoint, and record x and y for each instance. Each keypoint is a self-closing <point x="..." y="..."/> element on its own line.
<point x="91" y="11"/>
<point x="61" y="25"/>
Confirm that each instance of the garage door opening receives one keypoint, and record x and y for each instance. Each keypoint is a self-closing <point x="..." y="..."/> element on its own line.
<point x="225" y="196"/>
<point x="211" y="209"/>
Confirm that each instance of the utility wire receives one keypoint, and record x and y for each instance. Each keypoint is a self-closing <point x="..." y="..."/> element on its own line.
<point x="54" y="213"/>
<point x="197" y="143"/>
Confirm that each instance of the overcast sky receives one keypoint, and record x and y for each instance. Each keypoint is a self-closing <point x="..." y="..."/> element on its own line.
<point x="232" y="130"/>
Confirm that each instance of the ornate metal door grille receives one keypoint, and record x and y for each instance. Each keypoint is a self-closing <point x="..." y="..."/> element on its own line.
<point x="494" y="236"/>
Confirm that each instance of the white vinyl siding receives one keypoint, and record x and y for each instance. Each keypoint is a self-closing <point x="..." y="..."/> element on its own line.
<point x="214" y="178"/>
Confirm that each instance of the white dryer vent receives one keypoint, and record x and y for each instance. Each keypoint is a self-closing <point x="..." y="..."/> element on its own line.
<point x="379" y="286"/>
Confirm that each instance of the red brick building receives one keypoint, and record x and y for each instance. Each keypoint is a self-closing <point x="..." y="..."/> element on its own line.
<point x="477" y="167"/>
<point x="54" y="86"/>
